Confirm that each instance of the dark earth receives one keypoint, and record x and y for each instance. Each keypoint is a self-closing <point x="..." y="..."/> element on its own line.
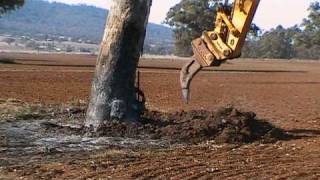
<point x="225" y="125"/>
<point x="45" y="140"/>
<point x="61" y="134"/>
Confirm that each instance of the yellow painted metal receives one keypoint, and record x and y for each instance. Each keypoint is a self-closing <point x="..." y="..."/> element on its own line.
<point x="242" y="16"/>
<point x="217" y="47"/>
<point x="222" y="43"/>
<point x="228" y="37"/>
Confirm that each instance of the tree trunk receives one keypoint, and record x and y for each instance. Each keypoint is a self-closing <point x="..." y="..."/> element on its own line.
<point x="113" y="92"/>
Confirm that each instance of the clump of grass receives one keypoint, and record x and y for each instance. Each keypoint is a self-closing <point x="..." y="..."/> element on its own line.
<point x="28" y="113"/>
<point x="110" y="153"/>
<point x="13" y="109"/>
<point x="2" y="101"/>
<point x="7" y="61"/>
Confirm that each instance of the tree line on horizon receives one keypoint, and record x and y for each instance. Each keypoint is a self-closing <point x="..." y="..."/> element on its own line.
<point x="190" y="18"/>
<point x="9" y="5"/>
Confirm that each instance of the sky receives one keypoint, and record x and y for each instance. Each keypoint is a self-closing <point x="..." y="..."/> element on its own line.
<point x="270" y="12"/>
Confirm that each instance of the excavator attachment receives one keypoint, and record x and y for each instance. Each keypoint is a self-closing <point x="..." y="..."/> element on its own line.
<point x="186" y="75"/>
<point x="223" y="43"/>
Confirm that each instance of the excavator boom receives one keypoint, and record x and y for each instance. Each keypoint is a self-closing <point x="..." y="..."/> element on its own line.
<point x="223" y="43"/>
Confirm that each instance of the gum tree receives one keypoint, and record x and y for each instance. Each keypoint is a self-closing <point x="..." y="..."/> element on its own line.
<point x="113" y="93"/>
<point x="8" y="5"/>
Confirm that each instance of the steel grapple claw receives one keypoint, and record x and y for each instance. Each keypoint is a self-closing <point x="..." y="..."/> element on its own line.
<point x="224" y="42"/>
<point x="186" y="75"/>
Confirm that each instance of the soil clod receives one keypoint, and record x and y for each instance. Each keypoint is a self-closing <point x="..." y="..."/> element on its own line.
<point x="226" y="125"/>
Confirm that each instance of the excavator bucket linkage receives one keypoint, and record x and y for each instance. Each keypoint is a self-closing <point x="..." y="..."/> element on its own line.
<point x="223" y="43"/>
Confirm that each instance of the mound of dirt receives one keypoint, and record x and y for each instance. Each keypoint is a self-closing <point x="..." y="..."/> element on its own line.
<point x="226" y="125"/>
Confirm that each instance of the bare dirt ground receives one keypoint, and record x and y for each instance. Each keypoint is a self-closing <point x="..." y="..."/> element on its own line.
<point x="284" y="93"/>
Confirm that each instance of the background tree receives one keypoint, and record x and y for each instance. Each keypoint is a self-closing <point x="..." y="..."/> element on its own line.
<point x="113" y="95"/>
<point x="307" y="42"/>
<point x="251" y="46"/>
<point x="301" y="42"/>
<point x="8" y="5"/>
<point x="312" y="23"/>
<point x="189" y="19"/>
<point x="275" y="44"/>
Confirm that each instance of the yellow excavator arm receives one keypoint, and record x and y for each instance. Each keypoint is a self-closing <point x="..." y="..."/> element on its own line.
<point x="223" y="43"/>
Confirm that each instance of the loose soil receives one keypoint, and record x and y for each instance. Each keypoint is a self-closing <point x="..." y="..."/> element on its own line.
<point x="225" y="125"/>
<point x="27" y="143"/>
<point x="284" y="95"/>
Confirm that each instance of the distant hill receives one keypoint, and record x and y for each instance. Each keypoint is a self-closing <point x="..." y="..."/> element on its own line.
<point x="75" y="21"/>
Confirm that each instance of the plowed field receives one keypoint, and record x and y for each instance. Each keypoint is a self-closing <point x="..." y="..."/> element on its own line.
<point x="283" y="93"/>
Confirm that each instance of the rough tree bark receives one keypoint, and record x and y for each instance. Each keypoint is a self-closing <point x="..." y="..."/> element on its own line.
<point x="113" y="92"/>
